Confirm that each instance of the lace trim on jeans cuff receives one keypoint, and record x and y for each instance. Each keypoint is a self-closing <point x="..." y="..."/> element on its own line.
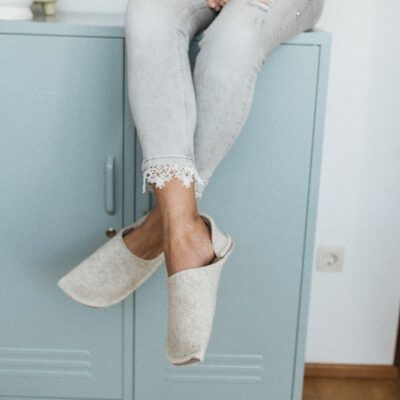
<point x="161" y="173"/>
<point x="199" y="188"/>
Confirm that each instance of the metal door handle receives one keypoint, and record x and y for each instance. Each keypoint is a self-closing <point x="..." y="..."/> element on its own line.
<point x="110" y="185"/>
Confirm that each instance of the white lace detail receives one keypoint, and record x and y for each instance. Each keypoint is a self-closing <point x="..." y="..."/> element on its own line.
<point x="162" y="173"/>
<point x="199" y="188"/>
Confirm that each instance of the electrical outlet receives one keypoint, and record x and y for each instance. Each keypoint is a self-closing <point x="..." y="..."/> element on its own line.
<point x="330" y="258"/>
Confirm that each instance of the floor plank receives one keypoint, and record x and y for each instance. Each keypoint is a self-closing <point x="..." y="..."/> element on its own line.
<point x="350" y="389"/>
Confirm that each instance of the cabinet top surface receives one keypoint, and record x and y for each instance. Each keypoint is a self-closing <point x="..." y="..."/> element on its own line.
<point x="108" y="25"/>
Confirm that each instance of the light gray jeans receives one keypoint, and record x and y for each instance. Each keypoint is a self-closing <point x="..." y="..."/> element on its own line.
<point x="187" y="120"/>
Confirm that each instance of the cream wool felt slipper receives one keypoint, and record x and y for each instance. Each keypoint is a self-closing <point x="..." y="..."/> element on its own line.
<point x="110" y="274"/>
<point x="192" y="295"/>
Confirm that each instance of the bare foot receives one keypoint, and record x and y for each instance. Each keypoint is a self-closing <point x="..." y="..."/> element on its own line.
<point x="146" y="241"/>
<point x="188" y="246"/>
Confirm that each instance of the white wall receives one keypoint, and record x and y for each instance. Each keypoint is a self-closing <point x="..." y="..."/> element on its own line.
<point x="353" y="314"/>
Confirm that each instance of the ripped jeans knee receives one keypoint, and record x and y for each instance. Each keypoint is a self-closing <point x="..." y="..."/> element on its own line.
<point x="263" y="4"/>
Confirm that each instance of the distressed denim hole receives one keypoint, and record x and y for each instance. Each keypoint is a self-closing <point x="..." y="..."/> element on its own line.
<point x="261" y="4"/>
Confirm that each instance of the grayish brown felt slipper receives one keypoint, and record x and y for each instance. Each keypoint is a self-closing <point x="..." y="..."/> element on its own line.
<point x="110" y="274"/>
<point x="192" y="295"/>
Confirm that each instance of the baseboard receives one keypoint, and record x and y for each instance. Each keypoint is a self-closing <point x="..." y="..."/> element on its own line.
<point x="355" y="371"/>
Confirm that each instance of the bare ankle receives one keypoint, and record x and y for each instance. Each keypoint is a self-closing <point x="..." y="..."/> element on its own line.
<point x="146" y="241"/>
<point x="189" y="247"/>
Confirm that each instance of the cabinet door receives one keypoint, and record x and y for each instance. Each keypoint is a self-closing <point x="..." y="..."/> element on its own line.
<point x="259" y="194"/>
<point x="61" y="120"/>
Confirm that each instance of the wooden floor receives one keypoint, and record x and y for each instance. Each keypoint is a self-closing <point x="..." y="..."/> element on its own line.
<point x="350" y="389"/>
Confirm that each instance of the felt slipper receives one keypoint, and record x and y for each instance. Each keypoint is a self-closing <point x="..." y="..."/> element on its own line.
<point x="110" y="274"/>
<point x="192" y="295"/>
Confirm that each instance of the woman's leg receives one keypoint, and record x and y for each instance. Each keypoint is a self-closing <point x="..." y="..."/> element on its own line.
<point x="234" y="47"/>
<point x="163" y="105"/>
<point x="160" y="85"/>
<point x="232" y="52"/>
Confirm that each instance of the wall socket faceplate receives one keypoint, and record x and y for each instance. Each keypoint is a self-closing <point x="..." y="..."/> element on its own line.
<point x="330" y="258"/>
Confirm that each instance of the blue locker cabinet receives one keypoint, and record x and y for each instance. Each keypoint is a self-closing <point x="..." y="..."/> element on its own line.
<point x="65" y="120"/>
